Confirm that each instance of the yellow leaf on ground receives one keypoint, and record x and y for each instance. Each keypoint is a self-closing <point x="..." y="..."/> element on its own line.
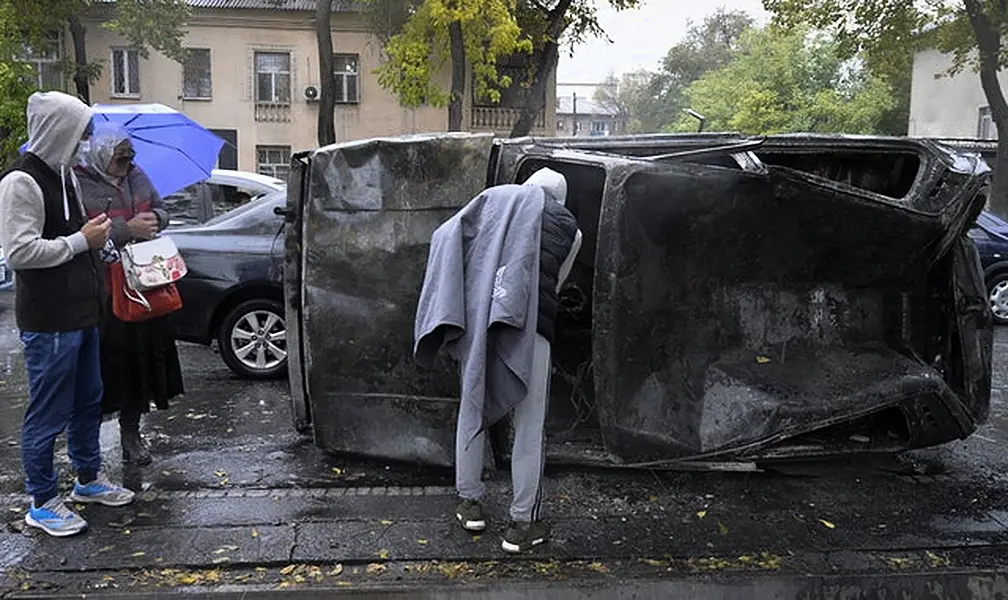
<point x="701" y="514"/>
<point x="138" y="554"/>
<point x="255" y="533"/>
<point x="827" y="524"/>
<point x="288" y="569"/>
<point x="722" y="528"/>
<point x="598" y="567"/>
<point x="375" y="569"/>
<point x="762" y="360"/>
<point x="385" y="522"/>
<point x="336" y="571"/>
<point x="383" y="554"/>
<point x="220" y="473"/>
<point x="422" y="541"/>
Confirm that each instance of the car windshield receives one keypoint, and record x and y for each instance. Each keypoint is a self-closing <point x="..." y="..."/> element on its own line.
<point x="250" y="209"/>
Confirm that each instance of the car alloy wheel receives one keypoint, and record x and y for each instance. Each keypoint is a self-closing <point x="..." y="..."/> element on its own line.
<point x="253" y="339"/>
<point x="999" y="300"/>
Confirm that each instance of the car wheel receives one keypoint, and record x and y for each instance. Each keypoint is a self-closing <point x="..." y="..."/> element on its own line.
<point x="997" y="294"/>
<point x="253" y="339"/>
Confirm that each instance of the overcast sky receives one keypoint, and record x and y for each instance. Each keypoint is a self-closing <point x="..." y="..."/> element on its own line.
<point x="640" y="37"/>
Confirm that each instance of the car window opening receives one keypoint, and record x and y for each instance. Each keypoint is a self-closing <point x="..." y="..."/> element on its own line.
<point x="890" y="174"/>
<point x="572" y="413"/>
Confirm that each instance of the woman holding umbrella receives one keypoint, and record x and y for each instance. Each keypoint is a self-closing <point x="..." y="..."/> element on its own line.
<point x="140" y="363"/>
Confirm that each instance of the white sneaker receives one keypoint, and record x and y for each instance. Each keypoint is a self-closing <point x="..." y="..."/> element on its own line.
<point x="55" y="518"/>
<point x="101" y="491"/>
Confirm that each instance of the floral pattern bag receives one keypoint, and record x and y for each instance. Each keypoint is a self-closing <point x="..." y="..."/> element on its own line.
<point x="152" y="264"/>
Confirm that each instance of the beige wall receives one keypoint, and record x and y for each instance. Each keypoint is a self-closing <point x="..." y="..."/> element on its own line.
<point x="232" y="38"/>
<point x="947" y="106"/>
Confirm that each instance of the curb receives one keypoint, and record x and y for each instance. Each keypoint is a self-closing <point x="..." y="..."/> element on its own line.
<point x="959" y="585"/>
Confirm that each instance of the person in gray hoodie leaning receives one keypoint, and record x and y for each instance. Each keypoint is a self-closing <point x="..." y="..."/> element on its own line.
<point x="490" y="298"/>
<point x="54" y="252"/>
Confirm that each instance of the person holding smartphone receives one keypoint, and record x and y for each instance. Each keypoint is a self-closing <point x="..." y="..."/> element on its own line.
<point x="54" y="251"/>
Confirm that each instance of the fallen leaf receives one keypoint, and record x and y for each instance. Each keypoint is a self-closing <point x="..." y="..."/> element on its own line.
<point x="138" y="554"/>
<point x="701" y="514"/>
<point x="827" y="524"/>
<point x="229" y="430"/>
<point x="126" y="532"/>
<point x="336" y="571"/>
<point x="108" y="578"/>
<point x="476" y="538"/>
<point x="598" y="567"/>
<point x="935" y="560"/>
<point x="652" y="562"/>
<point x="221" y="559"/>
<point x="722" y="528"/>
<point x="288" y="569"/>
<point x="337" y="470"/>
<point x="106" y="548"/>
<point x="422" y="541"/>
<point x="762" y="360"/>
<point x="376" y="568"/>
<point x="383" y="554"/>
<point x="220" y="473"/>
<point x="255" y="533"/>
<point x="386" y="522"/>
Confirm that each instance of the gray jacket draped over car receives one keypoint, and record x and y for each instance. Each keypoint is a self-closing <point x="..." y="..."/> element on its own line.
<point x="480" y="300"/>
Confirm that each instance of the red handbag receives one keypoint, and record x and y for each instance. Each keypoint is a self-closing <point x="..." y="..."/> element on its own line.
<point x="133" y="306"/>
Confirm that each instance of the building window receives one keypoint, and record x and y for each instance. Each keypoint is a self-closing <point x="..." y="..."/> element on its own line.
<point x="986" y="130"/>
<point x="273" y="161"/>
<point x="196" y="81"/>
<point x="347" y="75"/>
<point x="125" y="72"/>
<point x="45" y="61"/>
<point x="599" y="128"/>
<point x="273" y="77"/>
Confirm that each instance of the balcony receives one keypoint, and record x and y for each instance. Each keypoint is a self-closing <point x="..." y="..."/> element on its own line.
<point x="272" y="112"/>
<point x="500" y="120"/>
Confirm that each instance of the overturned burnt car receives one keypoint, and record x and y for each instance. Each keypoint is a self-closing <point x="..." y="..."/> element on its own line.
<point x="735" y="298"/>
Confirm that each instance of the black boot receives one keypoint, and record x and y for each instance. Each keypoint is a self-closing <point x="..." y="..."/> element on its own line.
<point x="134" y="450"/>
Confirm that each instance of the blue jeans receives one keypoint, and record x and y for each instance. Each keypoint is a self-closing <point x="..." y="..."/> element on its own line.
<point x="65" y="387"/>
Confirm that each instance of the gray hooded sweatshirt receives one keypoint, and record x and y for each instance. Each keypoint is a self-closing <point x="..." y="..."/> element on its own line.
<point x="480" y="300"/>
<point x="56" y="122"/>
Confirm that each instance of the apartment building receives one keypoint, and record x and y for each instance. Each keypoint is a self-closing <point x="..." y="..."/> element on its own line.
<point x="949" y="106"/>
<point x="251" y="76"/>
<point x="581" y="116"/>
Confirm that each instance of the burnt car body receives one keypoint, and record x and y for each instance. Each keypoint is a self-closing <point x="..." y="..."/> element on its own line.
<point x="735" y="298"/>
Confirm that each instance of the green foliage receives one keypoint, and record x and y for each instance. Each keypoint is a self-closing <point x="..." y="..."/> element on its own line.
<point x="789" y="81"/>
<point x="16" y="85"/>
<point x="655" y="101"/>
<point x="417" y="53"/>
<point x="417" y="39"/>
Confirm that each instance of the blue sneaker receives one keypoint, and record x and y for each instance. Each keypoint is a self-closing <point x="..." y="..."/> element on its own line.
<point x="55" y="518"/>
<point x="101" y="491"/>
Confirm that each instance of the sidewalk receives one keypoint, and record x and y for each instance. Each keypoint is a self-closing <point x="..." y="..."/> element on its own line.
<point x="707" y="534"/>
<point x="239" y="505"/>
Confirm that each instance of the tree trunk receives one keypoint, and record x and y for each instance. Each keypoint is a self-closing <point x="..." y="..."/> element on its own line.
<point x="548" y="56"/>
<point x="327" y="81"/>
<point x="80" y="75"/>
<point x="989" y="47"/>
<point x="458" y="75"/>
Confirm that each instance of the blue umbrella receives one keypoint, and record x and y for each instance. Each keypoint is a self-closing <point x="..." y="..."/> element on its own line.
<point x="171" y="148"/>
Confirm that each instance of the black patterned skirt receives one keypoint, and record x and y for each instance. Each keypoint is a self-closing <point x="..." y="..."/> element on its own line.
<point x="140" y="364"/>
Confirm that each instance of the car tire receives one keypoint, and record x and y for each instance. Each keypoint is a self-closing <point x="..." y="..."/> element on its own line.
<point x="252" y="340"/>
<point x="997" y="297"/>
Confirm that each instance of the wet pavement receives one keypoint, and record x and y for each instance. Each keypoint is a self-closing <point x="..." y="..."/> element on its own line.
<point x="237" y="503"/>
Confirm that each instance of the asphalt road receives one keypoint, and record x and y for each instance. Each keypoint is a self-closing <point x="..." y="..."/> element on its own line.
<point x="238" y="503"/>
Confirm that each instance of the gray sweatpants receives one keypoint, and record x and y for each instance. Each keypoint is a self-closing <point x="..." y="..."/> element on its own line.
<point x="527" y="455"/>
